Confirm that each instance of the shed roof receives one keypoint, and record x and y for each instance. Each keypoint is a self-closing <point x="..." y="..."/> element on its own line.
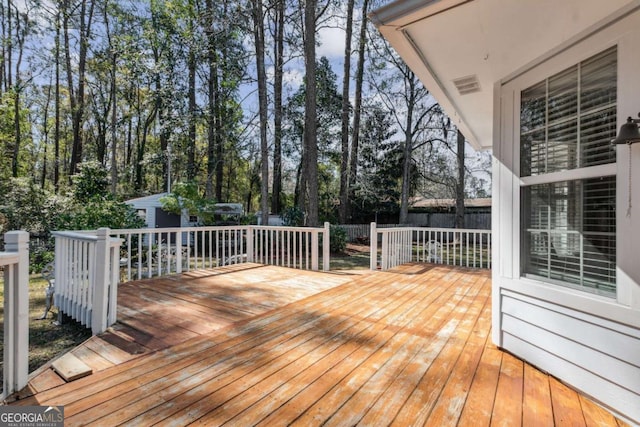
<point x="421" y="202"/>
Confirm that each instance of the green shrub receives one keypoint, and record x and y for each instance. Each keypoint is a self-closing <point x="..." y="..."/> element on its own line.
<point x="338" y="239"/>
<point x="40" y="256"/>
<point x="292" y="216"/>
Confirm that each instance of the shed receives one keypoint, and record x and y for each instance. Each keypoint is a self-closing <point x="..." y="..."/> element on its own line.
<point x="150" y="209"/>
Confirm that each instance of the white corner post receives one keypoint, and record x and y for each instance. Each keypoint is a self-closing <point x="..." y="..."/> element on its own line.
<point x="326" y="247"/>
<point x="101" y="283"/>
<point x="373" y="247"/>
<point x="114" y="279"/>
<point x="249" y="244"/>
<point x="16" y="314"/>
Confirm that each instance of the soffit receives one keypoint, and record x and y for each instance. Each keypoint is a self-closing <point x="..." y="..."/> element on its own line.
<point x="487" y="40"/>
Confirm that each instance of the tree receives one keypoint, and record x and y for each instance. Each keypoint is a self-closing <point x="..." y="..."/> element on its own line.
<point x="357" y="111"/>
<point x="344" y="134"/>
<point x="376" y="189"/>
<point x="278" y="61"/>
<point x="327" y="114"/>
<point x="460" y="181"/>
<point x="310" y="149"/>
<point x="413" y="109"/>
<point x="77" y="93"/>
<point x="258" y="32"/>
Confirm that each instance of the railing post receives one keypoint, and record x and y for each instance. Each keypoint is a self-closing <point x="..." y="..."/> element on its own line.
<point x="99" y="304"/>
<point x="114" y="251"/>
<point x="16" y="314"/>
<point x="373" y="247"/>
<point x="179" y="252"/>
<point x="326" y="247"/>
<point x="314" y="249"/>
<point x="385" y="256"/>
<point x="249" y="244"/>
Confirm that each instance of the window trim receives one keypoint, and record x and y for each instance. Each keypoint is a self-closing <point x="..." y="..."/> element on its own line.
<point x="518" y="85"/>
<point x="624" y="33"/>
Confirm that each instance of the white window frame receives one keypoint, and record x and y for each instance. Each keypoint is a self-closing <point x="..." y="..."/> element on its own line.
<point x="569" y="175"/>
<point x="624" y="307"/>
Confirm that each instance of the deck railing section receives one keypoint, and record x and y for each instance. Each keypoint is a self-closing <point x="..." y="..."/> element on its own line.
<point x="86" y="277"/>
<point x="15" y="263"/>
<point x="295" y="247"/>
<point x="450" y="246"/>
<point x="150" y="252"/>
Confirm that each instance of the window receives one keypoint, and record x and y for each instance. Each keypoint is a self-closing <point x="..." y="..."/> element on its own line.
<point x="568" y="211"/>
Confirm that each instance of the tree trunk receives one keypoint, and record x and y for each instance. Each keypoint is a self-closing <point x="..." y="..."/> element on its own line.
<point x="114" y="122"/>
<point x="77" y="101"/>
<point x="276" y="196"/>
<point x="460" y="183"/>
<point x="56" y="137"/>
<point x="211" y="93"/>
<point x="406" y="156"/>
<point x="346" y="79"/>
<point x="357" y="113"/>
<point x="258" y="32"/>
<point x="191" y="142"/>
<point x="45" y="132"/>
<point x="16" y="101"/>
<point x="3" y="50"/>
<point x="112" y="100"/>
<point x="310" y="128"/>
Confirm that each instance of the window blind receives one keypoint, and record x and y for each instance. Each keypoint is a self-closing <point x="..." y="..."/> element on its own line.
<point x="567" y="122"/>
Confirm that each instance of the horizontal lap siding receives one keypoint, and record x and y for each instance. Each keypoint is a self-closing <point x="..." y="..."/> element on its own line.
<point x="598" y="357"/>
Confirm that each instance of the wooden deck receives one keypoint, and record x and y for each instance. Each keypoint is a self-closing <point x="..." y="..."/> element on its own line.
<point x="157" y="313"/>
<point x="405" y="347"/>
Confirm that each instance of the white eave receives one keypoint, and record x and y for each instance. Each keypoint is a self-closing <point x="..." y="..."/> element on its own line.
<point x="479" y="43"/>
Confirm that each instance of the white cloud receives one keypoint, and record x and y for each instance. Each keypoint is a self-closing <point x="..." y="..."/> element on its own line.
<point x="293" y="77"/>
<point x="331" y="42"/>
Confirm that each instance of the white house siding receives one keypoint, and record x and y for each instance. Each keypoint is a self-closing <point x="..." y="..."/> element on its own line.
<point x="599" y="357"/>
<point x="590" y="342"/>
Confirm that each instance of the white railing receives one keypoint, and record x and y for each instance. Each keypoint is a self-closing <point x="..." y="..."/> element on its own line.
<point x="86" y="277"/>
<point x="15" y="262"/>
<point x="150" y="252"/>
<point x="295" y="247"/>
<point x="450" y="246"/>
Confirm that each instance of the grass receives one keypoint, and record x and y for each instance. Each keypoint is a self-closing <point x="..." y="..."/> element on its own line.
<point x="355" y="257"/>
<point x="47" y="340"/>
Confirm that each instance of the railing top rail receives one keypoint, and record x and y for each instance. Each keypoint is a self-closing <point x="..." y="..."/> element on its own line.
<point x="439" y="229"/>
<point x="211" y="228"/>
<point x="7" y="258"/>
<point x="287" y="228"/>
<point x="75" y="235"/>
<point x="176" y="229"/>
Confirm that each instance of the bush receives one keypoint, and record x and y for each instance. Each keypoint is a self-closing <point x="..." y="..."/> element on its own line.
<point x="292" y="216"/>
<point x="338" y="239"/>
<point x="39" y="256"/>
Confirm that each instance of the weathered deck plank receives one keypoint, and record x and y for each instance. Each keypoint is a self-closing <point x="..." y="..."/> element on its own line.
<point x="410" y="346"/>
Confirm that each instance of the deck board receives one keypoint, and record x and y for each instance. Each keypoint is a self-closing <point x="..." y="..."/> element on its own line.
<point x="405" y="347"/>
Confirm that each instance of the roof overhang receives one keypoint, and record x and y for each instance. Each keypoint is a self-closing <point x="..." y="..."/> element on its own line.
<point x="463" y="49"/>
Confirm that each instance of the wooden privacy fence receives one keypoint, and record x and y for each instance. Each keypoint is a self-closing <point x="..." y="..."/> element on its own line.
<point x="149" y="252"/>
<point x="86" y="277"/>
<point x="357" y="232"/>
<point x="15" y="262"/>
<point x="451" y="246"/>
